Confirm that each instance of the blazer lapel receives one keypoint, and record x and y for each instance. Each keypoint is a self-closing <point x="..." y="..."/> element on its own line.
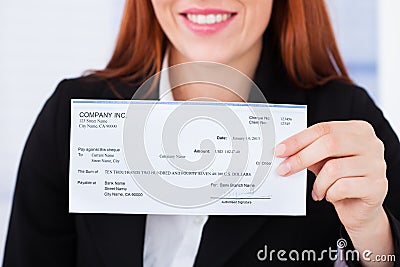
<point x="273" y="81"/>
<point x="118" y="238"/>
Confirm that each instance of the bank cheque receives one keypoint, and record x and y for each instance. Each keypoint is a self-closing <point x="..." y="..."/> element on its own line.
<point x="153" y="157"/>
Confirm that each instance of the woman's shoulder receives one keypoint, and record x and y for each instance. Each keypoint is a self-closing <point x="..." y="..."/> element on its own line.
<point x="92" y="87"/>
<point x="57" y="108"/>
<point x="340" y="100"/>
<point x="340" y="90"/>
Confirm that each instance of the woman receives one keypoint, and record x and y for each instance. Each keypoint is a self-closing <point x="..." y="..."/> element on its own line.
<point x="288" y="48"/>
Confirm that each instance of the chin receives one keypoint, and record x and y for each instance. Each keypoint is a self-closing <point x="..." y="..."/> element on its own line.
<point x="211" y="54"/>
<point x="208" y="58"/>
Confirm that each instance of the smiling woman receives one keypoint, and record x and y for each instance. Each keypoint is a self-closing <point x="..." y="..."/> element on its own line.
<point x="232" y="41"/>
<point x="287" y="47"/>
<point x="299" y="29"/>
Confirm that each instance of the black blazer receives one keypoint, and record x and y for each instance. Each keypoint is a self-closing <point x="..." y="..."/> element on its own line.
<point x="43" y="233"/>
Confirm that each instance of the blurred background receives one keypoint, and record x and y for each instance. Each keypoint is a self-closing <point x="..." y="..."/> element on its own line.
<point x="42" y="42"/>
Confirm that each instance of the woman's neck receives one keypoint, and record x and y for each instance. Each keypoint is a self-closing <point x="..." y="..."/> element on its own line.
<point x="246" y="64"/>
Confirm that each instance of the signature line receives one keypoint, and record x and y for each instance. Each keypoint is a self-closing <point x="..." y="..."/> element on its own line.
<point x="240" y="198"/>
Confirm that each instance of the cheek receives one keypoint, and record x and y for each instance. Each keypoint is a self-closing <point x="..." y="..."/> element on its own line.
<point x="163" y="12"/>
<point x="258" y="16"/>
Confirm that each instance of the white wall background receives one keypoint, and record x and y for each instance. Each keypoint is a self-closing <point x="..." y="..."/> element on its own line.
<point x="42" y="42"/>
<point x="389" y="60"/>
<point x="356" y="27"/>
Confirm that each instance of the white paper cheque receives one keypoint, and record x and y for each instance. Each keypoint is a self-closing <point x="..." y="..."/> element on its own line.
<point x="211" y="158"/>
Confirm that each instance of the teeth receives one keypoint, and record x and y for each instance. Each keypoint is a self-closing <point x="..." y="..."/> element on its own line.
<point x="211" y="19"/>
<point x="201" y="19"/>
<point x="208" y="19"/>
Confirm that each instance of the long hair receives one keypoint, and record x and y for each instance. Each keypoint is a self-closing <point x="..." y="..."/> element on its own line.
<point x="302" y="28"/>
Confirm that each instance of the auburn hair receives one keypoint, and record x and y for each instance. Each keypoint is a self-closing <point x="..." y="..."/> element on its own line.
<point x="301" y="29"/>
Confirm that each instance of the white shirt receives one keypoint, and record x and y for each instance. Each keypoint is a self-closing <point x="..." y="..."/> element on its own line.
<point x="171" y="240"/>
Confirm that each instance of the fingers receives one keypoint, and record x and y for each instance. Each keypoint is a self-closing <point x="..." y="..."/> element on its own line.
<point x="332" y="145"/>
<point x="335" y="169"/>
<point x="301" y="140"/>
<point x="316" y="168"/>
<point x="369" y="190"/>
<point x="324" y="140"/>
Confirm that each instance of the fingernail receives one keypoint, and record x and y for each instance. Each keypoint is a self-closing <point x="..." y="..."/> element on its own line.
<point x="280" y="149"/>
<point x="283" y="169"/>
<point x="314" y="196"/>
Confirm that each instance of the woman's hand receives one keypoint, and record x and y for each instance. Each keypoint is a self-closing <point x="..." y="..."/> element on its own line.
<point x="348" y="161"/>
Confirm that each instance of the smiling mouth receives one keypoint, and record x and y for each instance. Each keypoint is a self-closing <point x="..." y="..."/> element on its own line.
<point x="207" y="19"/>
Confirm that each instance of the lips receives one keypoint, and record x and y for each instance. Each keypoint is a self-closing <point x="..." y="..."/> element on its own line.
<point x="207" y="21"/>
